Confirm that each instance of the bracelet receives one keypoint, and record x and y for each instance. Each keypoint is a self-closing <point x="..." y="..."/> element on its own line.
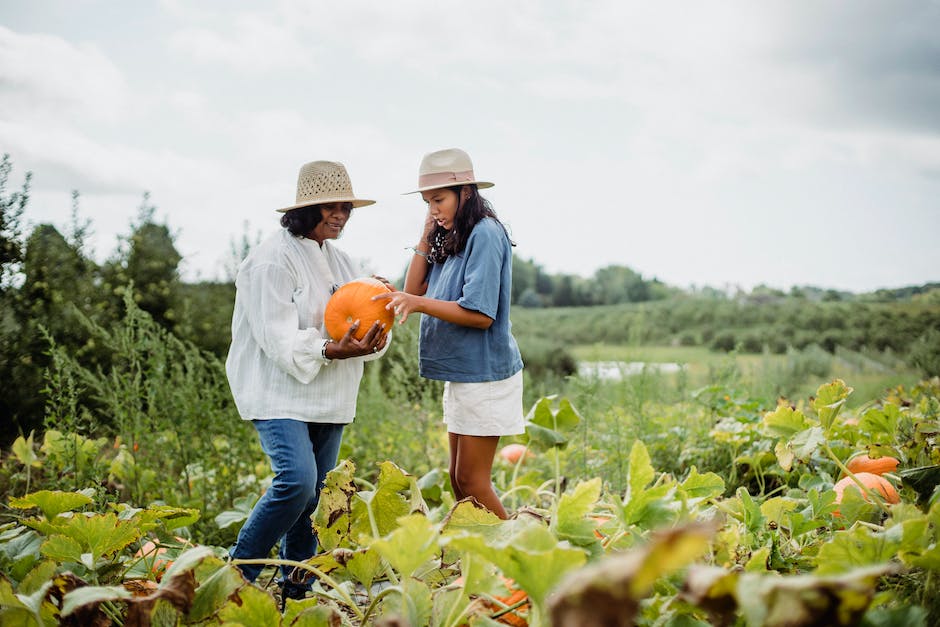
<point x="323" y="350"/>
<point x="416" y="251"/>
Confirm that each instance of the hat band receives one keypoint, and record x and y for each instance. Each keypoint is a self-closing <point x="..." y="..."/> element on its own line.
<point x="441" y="178"/>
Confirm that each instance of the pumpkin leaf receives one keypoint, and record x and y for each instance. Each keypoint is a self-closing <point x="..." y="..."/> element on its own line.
<point x="858" y="546"/>
<point x="52" y="502"/>
<point x="410" y="546"/>
<point x="698" y="487"/>
<point x="332" y="516"/>
<point x="214" y="592"/>
<point x="24" y="452"/>
<point x="256" y="607"/>
<point x="784" y="422"/>
<point x="570" y="520"/>
<point x="527" y="552"/>
<point x="829" y="401"/>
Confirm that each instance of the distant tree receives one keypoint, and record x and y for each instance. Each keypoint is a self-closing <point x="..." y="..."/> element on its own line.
<point x="149" y="259"/>
<point x="11" y="213"/>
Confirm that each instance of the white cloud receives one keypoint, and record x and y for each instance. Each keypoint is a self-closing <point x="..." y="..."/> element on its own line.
<point x="46" y="76"/>
<point x="245" y="42"/>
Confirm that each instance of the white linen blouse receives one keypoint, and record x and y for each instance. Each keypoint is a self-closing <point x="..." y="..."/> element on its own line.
<point x="275" y="365"/>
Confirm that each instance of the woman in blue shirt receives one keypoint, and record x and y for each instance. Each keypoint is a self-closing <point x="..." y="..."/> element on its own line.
<point x="461" y="278"/>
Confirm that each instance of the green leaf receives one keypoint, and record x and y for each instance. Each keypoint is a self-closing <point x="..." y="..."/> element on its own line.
<point x="100" y="534"/>
<point x="257" y="607"/>
<point x="541" y="413"/>
<point x="8" y="597"/>
<point x="416" y="602"/>
<point x="567" y="417"/>
<point x="570" y="520"/>
<point x="830" y="398"/>
<point x="62" y="549"/>
<point x="785" y="456"/>
<point x="332" y="516"/>
<point x="384" y="505"/>
<point x="698" y="487"/>
<point x="365" y="566"/>
<point x="471" y="517"/>
<point x="640" y="472"/>
<point x="34" y="580"/>
<point x="882" y="423"/>
<point x="539" y="438"/>
<point x="806" y="442"/>
<point x="311" y="613"/>
<point x="174" y="517"/>
<point x="784" y="422"/>
<point x="188" y="560"/>
<point x="856" y="547"/>
<point x="410" y="546"/>
<point x="23" y="451"/>
<point x="91" y="595"/>
<point x="527" y="552"/>
<point x="52" y="502"/>
<point x="213" y="593"/>
<point x="239" y="514"/>
<point x="776" y="509"/>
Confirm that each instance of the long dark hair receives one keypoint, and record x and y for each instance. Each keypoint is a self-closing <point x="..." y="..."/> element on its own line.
<point x="444" y="243"/>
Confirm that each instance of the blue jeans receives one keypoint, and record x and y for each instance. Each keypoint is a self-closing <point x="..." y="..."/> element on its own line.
<point x="301" y="454"/>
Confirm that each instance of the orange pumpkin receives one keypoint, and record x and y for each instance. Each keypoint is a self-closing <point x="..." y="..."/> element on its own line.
<point x="512" y="453"/>
<point x="516" y="617"/>
<point x="352" y="302"/>
<point x="863" y="463"/>
<point x="872" y="482"/>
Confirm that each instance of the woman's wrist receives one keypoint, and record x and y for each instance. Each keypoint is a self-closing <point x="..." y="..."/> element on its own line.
<point x="324" y="351"/>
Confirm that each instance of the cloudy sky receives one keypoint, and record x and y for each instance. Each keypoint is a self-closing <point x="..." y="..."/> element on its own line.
<point x="701" y="143"/>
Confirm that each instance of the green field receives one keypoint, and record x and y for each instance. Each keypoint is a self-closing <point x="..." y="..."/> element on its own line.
<point x="762" y="373"/>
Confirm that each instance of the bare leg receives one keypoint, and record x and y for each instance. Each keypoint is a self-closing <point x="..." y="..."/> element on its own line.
<point x="454" y="442"/>
<point x="471" y="468"/>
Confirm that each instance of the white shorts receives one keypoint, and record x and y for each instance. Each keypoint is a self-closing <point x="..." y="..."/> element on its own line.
<point x="486" y="408"/>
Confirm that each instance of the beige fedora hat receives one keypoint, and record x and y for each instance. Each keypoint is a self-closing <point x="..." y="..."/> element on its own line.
<point x="321" y="182"/>
<point x="446" y="168"/>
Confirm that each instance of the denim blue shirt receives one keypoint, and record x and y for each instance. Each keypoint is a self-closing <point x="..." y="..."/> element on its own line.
<point x="480" y="279"/>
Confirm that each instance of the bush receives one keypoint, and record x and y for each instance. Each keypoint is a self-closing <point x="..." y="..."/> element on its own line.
<point x="925" y="353"/>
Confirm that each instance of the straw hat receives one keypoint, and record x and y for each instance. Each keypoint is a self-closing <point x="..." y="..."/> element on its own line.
<point x="321" y="182"/>
<point x="446" y="168"/>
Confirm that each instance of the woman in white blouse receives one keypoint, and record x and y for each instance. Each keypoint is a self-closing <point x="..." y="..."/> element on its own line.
<point x="296" y="385"/>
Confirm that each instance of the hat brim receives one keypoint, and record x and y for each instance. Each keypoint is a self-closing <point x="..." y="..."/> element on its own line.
<point x="480" y="184"/>
<point x="356" y="202"/>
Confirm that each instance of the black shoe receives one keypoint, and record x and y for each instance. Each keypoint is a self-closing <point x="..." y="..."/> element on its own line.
<point x="291" y="592"/>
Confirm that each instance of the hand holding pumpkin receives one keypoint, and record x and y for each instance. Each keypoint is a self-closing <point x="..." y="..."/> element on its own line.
<point x="348" y="346"/>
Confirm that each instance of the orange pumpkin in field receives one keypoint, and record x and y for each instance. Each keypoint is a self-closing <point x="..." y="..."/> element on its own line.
<point x="352" y="302"/>
<point x="877" y="483"/>
<point x="512" y="453"/>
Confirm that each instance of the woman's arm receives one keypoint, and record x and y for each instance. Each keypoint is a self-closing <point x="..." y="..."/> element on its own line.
<point x="404" y="304"/>
<point x="416" y="279"/>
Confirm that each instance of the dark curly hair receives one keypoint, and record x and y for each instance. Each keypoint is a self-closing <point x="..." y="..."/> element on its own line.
<point x="444" y="243"/>
<point x="299" y="222"/>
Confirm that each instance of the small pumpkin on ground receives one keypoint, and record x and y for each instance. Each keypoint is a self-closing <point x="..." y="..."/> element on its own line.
<point x="353" y="301"/>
